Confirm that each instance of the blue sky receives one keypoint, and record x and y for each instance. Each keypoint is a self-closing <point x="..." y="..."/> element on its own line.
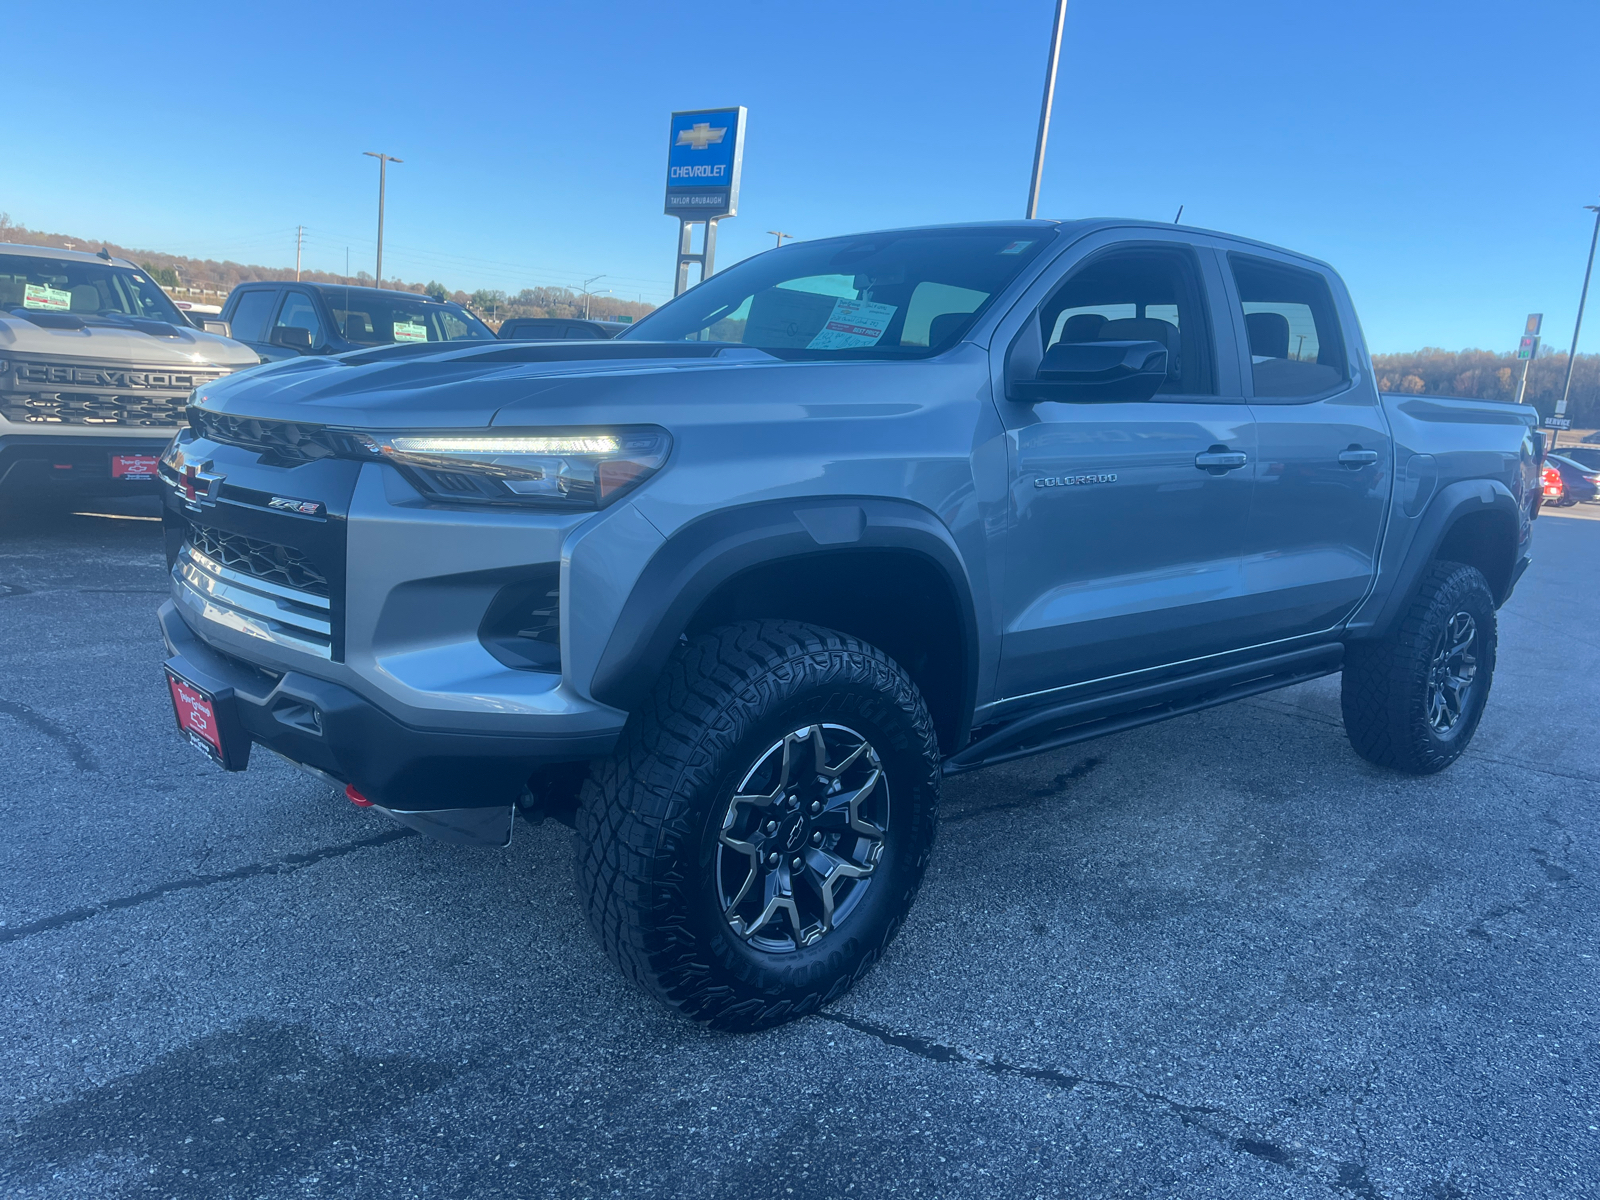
<point x="1438" y="154"/>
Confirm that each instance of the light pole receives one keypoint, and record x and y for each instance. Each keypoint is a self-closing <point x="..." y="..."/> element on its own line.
<point x="586" y="284"/>
<point x="780" y="236"/>
<point x="1044" y="108"/>
<point x="1572" y="355"/>
<point x="383" y="170"/>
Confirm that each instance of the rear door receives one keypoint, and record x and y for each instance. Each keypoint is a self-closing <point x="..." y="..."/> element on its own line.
<point x="1127" y="520"/>
<point x="249" y="318"/>
<point x="1325" y="450"/>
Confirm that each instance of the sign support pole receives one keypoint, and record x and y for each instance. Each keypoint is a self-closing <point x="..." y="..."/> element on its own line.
<point x="686" y="256"/>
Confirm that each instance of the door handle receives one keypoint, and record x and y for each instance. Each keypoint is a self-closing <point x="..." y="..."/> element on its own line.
<point x="1219" y="460"/>
<point x="1357" y="457"/>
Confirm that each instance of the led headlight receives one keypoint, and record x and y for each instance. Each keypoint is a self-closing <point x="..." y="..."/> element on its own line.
<point x="565" y="469"/>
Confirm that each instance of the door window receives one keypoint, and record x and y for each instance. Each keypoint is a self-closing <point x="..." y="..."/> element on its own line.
<point x="249" y="322"/>
<point x="1296" y="348"/>
<point x="1139" y="295"/>
<point x="300" y="313"/>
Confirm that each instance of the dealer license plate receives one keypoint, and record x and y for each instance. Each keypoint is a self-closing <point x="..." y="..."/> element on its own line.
<point x="197" y="716"/>
<point x="134" y="466"/>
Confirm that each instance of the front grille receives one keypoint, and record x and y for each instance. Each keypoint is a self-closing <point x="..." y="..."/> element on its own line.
<point x="288" y="441"/>
<point x="233" y="595"/>
<point x="267" y="561"/>
<point x="92" y="408"/>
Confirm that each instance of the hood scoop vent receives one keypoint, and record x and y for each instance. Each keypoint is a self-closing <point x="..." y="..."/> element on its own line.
<point x="49" y="320"/>
<point x="545" y="352"/>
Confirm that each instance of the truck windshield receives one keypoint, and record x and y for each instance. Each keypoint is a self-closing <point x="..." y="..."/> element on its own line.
<point x="906" y="294"/>
<point x="377" y="320"/>
<point x="84" y="289"/>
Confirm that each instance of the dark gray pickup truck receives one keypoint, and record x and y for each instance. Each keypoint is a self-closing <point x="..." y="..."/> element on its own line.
<point x="745" y="583"/>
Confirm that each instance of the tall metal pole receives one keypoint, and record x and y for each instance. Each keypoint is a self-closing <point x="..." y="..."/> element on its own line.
<point x="1572" y="355"/>
<point x="299" y="238"/>
<point x="383" y="171"/>
<point x="1044" y="108"/>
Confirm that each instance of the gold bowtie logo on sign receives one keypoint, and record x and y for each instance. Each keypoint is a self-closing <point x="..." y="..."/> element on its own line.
<point x="700" y="136"/>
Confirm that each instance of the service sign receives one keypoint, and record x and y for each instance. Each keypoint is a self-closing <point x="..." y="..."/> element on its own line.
<point x="704" y="152"/>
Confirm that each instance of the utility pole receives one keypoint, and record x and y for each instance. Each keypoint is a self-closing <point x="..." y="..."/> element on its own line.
<point x="780" y="236"/>
<point x="383" y="169"/>
<point x="1572" y="355"/>
<point x="586" y="284"/>
<point x="1044" y="108"/>
<point x="299" y="240"/>
<point x="1528" y="350"/>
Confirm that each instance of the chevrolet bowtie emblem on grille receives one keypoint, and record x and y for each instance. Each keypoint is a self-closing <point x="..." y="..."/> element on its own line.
<point x="700" y="136"/>
<point x="197" y="487"/>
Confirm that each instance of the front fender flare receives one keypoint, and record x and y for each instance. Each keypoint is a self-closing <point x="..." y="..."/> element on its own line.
<point x="708" y="552"/>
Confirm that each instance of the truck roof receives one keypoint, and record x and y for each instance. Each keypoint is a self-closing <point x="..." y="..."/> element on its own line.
<point x="342" y="289"/>
<point x="58" y="253"/>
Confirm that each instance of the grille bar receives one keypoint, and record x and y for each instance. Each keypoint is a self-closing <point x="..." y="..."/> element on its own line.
<point x="285" y="616"/>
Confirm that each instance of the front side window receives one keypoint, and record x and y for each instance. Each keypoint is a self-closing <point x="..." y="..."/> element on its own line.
<point x="1296" y="348"/>
<point x="890" y="295"/>
<point x="370" y="320"/>
<point x="94" y="291"/>
<point x="299" y="312"/>
<point x="251" y="314"/>
<point x="1138" y="295"/>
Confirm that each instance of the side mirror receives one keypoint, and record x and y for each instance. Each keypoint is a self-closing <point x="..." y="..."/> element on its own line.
<point x="1096" y="371"/>
<point x="216" y="325"/>
<point x="292" y="337"/>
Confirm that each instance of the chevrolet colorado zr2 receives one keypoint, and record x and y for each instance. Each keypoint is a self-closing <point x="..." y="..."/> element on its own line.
<point x="847" y="518"/>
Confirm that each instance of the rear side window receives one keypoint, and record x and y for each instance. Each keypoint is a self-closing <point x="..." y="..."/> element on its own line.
<point x="250" y="318"/>
<point x="1296" y="347"/>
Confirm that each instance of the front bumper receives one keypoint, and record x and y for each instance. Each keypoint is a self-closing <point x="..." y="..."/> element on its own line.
<point x="43" y="466"/>
<point x="455" y="785"/>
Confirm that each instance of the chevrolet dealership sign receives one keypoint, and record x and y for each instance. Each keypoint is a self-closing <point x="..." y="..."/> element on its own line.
<point x="704" y="152"/>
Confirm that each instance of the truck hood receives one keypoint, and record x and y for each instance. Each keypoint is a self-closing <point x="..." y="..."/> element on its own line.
<point x="427" y="387"/>
<point x="141" y="343"/>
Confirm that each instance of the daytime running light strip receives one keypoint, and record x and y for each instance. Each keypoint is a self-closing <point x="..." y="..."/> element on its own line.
<point x="520" y="445"/>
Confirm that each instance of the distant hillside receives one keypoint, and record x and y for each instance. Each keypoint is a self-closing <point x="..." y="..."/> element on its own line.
<point x="207" y="279"/>
<point x="1486" y="375"/>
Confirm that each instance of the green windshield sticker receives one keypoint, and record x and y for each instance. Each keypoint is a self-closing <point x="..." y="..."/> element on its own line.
<point x="39" y="295"/>
<point x="404" y="331"/>
<point x="853" y="323"/>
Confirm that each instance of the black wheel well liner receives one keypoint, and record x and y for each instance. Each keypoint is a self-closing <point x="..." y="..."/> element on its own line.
<point x="885" y="571"/>
<point x="1472" y="521"/>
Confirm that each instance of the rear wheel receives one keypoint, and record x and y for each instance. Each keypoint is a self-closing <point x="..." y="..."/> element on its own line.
<point x="1412" y="700"/>
<point x="760" y="833"/>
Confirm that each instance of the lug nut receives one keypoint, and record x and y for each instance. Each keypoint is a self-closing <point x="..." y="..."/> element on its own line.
<point x="798" y="863"/>
<point x="772" y="827"/>
<point x="816" y="838"/>
<point x="772" y="860"/>
<point x="816" y="807"/>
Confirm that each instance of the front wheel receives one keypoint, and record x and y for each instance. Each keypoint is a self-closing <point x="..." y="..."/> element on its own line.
<point x="761" y="830"/>
<point x="1412" y="700"/>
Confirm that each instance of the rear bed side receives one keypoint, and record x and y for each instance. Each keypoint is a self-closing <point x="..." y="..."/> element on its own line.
<point x="1466" y="490"/>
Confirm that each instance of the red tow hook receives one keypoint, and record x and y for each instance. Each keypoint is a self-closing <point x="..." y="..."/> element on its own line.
<point x="356" y="797"/>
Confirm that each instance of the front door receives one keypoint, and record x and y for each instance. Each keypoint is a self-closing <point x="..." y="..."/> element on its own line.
<point x="1325" y="451"/>
<point x="1127" y="520"/>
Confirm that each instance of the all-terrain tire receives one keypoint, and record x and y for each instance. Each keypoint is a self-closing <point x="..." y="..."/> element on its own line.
<point x="650" y="818"/>
<point x="1385" y="692"/>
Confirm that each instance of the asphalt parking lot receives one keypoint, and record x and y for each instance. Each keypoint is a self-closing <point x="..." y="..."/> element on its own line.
<point x="1219" y="957"/>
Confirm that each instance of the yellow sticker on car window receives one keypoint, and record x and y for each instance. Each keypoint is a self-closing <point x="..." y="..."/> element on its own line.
<point x="404" y="331"/>
<point x="39" y="295"/>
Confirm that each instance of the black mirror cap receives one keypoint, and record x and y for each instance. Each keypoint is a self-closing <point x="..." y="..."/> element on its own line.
<point x="292" y="337"/>
<point x="1090" y="371"/>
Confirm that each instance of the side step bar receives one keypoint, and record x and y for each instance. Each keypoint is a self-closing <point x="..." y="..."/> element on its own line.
<point x="1065" y="724"/>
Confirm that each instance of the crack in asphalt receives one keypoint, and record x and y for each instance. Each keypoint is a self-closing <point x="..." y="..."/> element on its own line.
<point x="69" y="741"/>
<point x="1554" y="876"/>
<point x="272" y="866"/>
<point x="1193" y="1116"/>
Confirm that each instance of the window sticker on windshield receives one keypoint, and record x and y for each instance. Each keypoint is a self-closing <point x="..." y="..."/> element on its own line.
<point x="853" y="323"/>
<point x="39" y="295"/>
<point x="1015" y="247"/>
<point x="404" y="331"/>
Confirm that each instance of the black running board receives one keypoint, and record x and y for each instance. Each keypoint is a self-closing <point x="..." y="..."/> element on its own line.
<point x="1066" y="724"/>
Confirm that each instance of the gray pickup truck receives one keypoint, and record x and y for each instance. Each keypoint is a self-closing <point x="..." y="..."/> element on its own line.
<point x="853" y="515"/>
<point x="96" y="367"/>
